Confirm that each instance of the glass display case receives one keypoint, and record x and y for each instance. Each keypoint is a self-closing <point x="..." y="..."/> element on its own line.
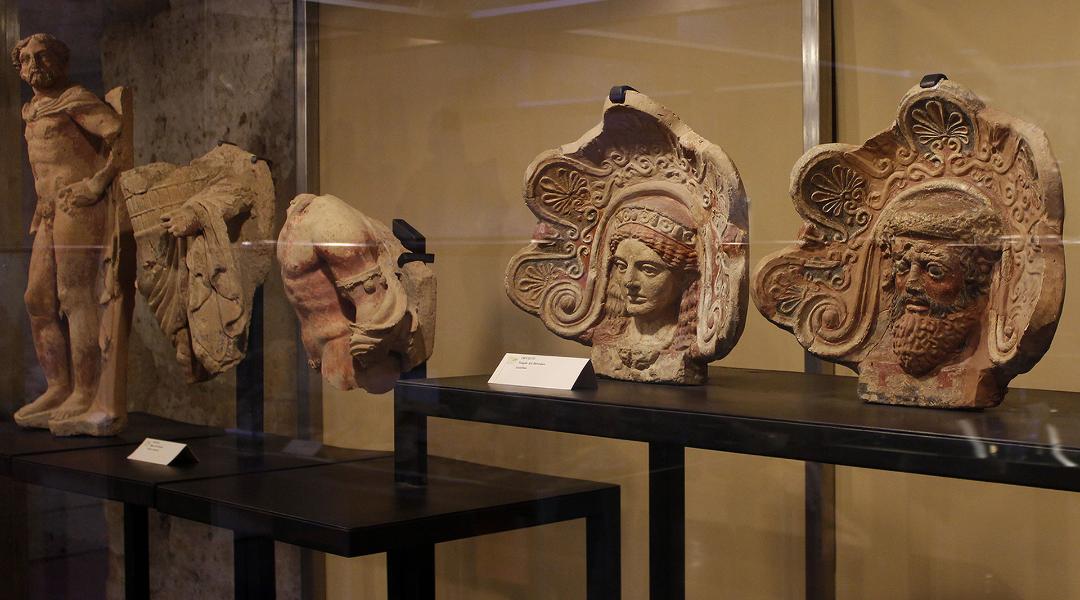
<point x="297" y="237"/>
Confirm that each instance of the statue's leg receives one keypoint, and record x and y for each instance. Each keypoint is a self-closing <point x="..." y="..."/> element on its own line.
<point x="338" y="367"/>
<point x="107" y="414"/>
<point x="79" y="250"/>
<point x="47" y="330"/>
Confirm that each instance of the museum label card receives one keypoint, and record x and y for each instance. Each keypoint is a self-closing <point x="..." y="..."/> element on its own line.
<point x="302" y="447"/>
<point x="162" y="452"/>
<point x="551" y="372"/>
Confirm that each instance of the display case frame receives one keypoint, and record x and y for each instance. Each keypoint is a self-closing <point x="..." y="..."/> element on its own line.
<point x="665" y="457"/>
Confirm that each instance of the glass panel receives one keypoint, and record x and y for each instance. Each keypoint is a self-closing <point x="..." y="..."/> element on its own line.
<point x="432" y="114"/>
<point x="905" y="536"/>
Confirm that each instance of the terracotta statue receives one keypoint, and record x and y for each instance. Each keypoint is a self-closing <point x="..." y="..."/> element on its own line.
<point x="641" y="246"/>
<point x="363" y="318"/>
<point x="201" y="231"/>
<point x="78" y="289"/>
<point x="930" y="260"/>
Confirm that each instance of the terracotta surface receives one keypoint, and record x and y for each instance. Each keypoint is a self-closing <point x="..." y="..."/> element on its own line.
<point x="200" y="230"/>
<point x="930" y="260"/>
<point x="641" y="247"/>
<point x="77" y="292"/>
<point x="364" y="319"/>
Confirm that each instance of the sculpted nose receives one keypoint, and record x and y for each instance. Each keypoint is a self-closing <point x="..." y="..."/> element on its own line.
<point x="913" y="282"/>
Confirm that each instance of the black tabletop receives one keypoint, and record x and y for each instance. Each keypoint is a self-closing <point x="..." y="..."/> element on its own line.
<point x="352" y="509"/>
<point x="16" y="441"/>
<point x="107" y="473"/>
<point x="1032" y="439"/>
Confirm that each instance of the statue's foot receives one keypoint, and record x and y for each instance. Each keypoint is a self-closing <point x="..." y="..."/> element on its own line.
<point x="38" y="412"/>
<point x="37" y="420"/>
<point x="97" y="423"/>
<point x="76" y="404"/>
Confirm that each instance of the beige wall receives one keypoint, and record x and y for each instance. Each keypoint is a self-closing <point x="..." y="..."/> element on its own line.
<point x="913" y="537"/>
<point x="434" y="119"/>
<point x="432" y="116"/>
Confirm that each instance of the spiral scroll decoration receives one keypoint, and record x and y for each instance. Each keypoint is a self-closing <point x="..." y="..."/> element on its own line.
<point x="827" y="288"/>
<point x="574" y="191"/>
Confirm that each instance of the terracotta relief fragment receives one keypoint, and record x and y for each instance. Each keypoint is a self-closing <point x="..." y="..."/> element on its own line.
<point x="201" y="231"/>
<point x="930" y="259"/>
<point x="364" y="318"/>
<point x="641" y="246"/>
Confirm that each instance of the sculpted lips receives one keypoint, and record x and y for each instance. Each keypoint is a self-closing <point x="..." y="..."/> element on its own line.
<point x="916" y="303"/>
<point x="917" y="306"/>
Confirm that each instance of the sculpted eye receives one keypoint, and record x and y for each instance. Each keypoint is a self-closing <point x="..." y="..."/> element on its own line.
<point x="935" y="270"/>
<point x="902" y="265"/>
<point x="650" y="270"/>
<point x="620" y="264"/>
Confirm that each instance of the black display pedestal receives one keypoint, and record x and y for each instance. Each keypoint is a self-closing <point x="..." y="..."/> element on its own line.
<point x="268" y="488"/>
<point x="357" y="508"/>
<point x="99" y="467"/>
<point x="16" y="441"/>
<point x="1033" y="439"/>
<point x="17" y="444"/>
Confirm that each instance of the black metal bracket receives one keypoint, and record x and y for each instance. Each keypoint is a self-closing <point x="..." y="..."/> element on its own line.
<point x="618" y="93"/>
<point x="932" y="79"/>
<point x="416" y="245"/>
<point x="414" y="241"/>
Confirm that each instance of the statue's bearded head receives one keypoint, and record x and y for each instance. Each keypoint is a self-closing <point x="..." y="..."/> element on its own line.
<point x="942" y="245"/>
<point x="41" y="60"/>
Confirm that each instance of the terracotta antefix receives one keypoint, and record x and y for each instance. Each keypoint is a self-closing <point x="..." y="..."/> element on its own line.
<point x="930" y="260"/>
<point x="202" y="232"/>
<point x="363" y="318"/>
<point x="79" y="288"/>
<point x="641" y="246"/>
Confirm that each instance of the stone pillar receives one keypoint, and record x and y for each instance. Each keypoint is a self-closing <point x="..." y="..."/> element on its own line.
<point x="13" y="324"/>
<point x="15" y="248"/>
<point x="204" y="71"/>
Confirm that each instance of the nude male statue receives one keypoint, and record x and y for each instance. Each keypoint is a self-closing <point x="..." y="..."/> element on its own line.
<point x="71" y="137"/>
<point x="363" y="319"/>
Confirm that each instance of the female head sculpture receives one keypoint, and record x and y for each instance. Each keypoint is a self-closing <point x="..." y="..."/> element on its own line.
<point x="651" y="304"/>
<point x="930" y="259"/>
<point x="640" y="250"/>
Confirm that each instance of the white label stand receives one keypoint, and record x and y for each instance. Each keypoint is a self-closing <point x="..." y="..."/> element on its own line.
<point x="550" y="372"/>
<point x="162" y="452"/>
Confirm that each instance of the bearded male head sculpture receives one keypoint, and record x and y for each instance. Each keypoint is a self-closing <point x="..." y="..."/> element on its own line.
<point x="640" y="251"/>
<point x="931" y="258"/>
<point x="941" y="245"/>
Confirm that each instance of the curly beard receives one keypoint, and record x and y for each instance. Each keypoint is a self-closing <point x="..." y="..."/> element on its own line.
<point x="924" y="341"/>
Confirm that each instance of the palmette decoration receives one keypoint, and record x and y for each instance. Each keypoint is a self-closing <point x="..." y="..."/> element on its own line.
<point x="641" y="246"/>
<point x="930" y="259"/>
